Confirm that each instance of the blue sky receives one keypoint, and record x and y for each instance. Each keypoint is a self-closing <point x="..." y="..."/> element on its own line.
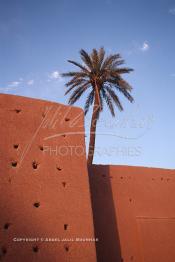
<point x="37" y="38"/>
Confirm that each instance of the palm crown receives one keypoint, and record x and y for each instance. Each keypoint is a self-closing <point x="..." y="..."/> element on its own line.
<point x="103" y="75"/>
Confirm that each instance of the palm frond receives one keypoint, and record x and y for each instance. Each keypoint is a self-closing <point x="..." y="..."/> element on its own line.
<point x="124" y="85"/>
<point x="75" y="80"/>
<point x="79" y="65"/>
<point x="101" y="106"/>
<point x="77" y="93"/>
<point x="74" y="74"/>
<point x="101" y="55"/>
<point x="124" y="70"/>
<point x="89" y="101"/>
<point x="117" y="63"/>
<point x="86" y="59"/>
<point x="108" y="101"/>
<point x="101" y="101"/>
<point x="76" y="84"/>
<point x="110" y="60"/>
<point x="114" y="98"/>
<point x="116" y="72"/>
<point x="119" y="82"/>
<point x="125" y="93"/>
<point x="94" y="58"/>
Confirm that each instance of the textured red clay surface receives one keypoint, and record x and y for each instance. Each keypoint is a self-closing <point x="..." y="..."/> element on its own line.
<point x="134" y="213"/>
<point x="44" y="186"/>
<point x="45" y="193"/>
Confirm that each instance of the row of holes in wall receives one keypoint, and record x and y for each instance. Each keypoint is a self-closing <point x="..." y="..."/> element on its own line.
<point x="165" y="179"/>
<point x="35" y="166"/>
<point x="35" y="249"/>
<point x="43" y="114"/>
<point x="7" y="225"/>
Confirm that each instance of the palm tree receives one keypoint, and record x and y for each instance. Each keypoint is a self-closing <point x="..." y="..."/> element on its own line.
<point x="103" y="76"/>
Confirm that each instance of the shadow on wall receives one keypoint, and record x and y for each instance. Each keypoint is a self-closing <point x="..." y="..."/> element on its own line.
<point x="105" y="224"/>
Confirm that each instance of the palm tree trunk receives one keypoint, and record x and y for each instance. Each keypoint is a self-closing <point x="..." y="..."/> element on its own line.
<point x="93" y="129"/>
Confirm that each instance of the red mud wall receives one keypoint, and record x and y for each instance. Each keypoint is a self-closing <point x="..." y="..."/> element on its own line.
<point x="44" y="190"/>
<point x="134" y="213"/>
<point x="45" y="197"/>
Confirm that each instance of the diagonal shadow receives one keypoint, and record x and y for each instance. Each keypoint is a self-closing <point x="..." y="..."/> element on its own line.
<point x="104" y="215"/>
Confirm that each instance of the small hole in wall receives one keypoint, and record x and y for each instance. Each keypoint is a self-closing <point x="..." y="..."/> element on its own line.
<point x="35" y="249"/>
<point x="43" y="115"/>
<point x="63" y="135"/>
<point x="35" y="165"/>
<point x="4" y="250"/>
<point x="66" y="247"/>
<point x="161" y="178"/>
<point x="36" y="204"/>
<point x="121" y="177"/>
<point x="130" y="199"/>
<point x="168" y="179"/>
<point x="6" y="226"/>
<point x="14" y="163"/>
<point x="15" y="146"/>
<point x="41" y="148"/>
<point x="65" y="226"/>
<point x="59" y="168"/>
<point x="67" y="119"/>
<point x="64" y="184"/>
<point x="17" y="110"/>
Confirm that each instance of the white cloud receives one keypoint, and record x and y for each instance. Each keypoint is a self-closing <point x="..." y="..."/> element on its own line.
<point x="14" y="84"/>
<point x="145" y="46"/>
<point x="55" y="75"/>
<point x="137" y="47"/>
<point x="30" y="82"/>
<point x="172" y="11"/>
<point x="5" y="89"/>
<point x="11" y="85"/>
